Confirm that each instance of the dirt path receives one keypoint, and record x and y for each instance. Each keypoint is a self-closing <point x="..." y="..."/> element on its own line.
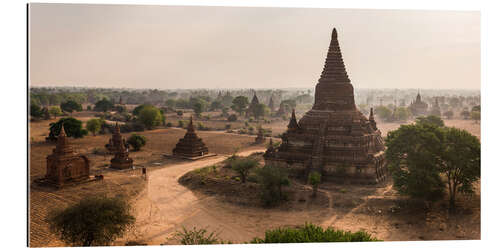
<point x="165" y="205"/>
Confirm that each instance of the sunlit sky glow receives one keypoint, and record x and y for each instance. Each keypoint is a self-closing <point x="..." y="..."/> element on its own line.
<point x="169" y="47"/>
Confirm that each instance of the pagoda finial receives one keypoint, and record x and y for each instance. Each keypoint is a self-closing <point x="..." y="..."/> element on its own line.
<point x="372" y="120"/>
<point x="334" y="33"/>
<point x="293" y="125"/>
<point x="63" y="131"/>
<point x="190" y="127"/>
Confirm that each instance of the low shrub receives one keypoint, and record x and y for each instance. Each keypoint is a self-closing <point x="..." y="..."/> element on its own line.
<point x="232" y="118"/>
<point x="312" y="233"/>
<point x="136" y="141"/>
<point x="198" y="237"/>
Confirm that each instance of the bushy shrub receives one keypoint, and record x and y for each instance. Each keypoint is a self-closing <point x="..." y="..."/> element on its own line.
<point x="197" y="237"/>
<point x="243" y="167"/>
<point x="180" y="124"/>
<point x="314" y="179"/>
<point x="136" y="141"/>
<point x="132" y="127"/>
<point x="232" y="118"/>
<point x="312" y="233"/>
<point x="169" y="124"/>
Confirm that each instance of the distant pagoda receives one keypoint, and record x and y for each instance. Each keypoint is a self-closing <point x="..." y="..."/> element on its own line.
<point x="121" y="159"/>
<point x="334" y="137"/>
<point x="418" y="107"/>
<point x="116" y="139"/>
<point x="191" y="145"/>
<point x="271" y="104"/>
<point x="436" y="110"/>
<point x="252" y="108"/>
<point x="65" y="166"/>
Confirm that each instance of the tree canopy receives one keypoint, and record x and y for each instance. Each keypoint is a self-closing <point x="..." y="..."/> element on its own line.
<point x="72" y="127"/>
<point x="94" y="221"/>
<point x="150" y="116"/>
<point x="103" y="105"/>
<point x="418" y="154"/>
<point x="240" y="104"/>
<point x="71" y="106"/>
<point x="430" y="120"/>
<point x="94" y="125"/>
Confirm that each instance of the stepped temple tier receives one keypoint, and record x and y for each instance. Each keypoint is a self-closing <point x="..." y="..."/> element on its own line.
<point x="191" y="146"/>
<point x="334" y="137"/>
<point x="64" y="166"/>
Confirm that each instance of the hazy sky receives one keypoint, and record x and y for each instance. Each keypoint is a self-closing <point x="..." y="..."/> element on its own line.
<point x="229" y="47"/>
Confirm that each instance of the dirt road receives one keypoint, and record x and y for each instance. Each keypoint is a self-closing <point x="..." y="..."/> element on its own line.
<point x="165" y="206"/>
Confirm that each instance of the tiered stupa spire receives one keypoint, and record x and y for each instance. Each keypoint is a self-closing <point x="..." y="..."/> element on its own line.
<point x="293" y="125"/>
<point x="334" y="90"/>
<point x="191" y="145"/>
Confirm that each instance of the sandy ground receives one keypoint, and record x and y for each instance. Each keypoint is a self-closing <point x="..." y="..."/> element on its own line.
<point x="166" y="206"/>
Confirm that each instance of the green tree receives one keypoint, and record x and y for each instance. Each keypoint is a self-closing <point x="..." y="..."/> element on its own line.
<point x="120" y="108"/>
<point x="430" y="120"/>
<point x="476" y="108"/>
<point x="93" y="125"/>
<point x="402" y="114"/>
<point x="413" y="157"/>
<point x="35" y="111"/>
<point x="136" y="141"/>
<point x="150" y="116"/>
<point x="476" y="116"/>
<point x="272" y="179"/>
<point x="461" y="162"/>
<point x="72" y="127"/>
<point x="240" y="104"/>
<point x="71" y="106"/>
<point x="216" y="105"/>
<point x="383" y="112"/>
<point x="199" y="107"/>
<point x="55" y="111"/>
<point x="138" y="109"/>
<point x="94" y="221"/>
<point x="170" y="103"/>
<point x="314" y="180"/>
<point x="232" y="118"/>
<point x="103" y="105"/>
<point x="243" y="167"/>
<point x="260" y="110"/>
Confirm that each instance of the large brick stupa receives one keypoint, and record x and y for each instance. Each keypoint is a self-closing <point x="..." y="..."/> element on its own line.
<point x="334" y="137"/>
